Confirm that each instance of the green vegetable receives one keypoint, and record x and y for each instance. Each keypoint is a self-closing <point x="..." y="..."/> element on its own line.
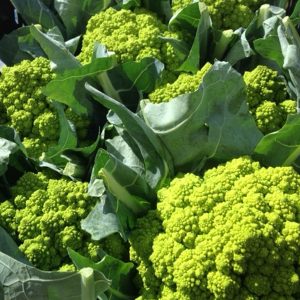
<point x="226" y="14"/>
<point x="231" y="234"/>
<point x="266" y="97"/>
<point x="44" y="215"/>
<point x="24" y="107"/>
<point x="185" y="83"/>
<point x="131" y="35"/>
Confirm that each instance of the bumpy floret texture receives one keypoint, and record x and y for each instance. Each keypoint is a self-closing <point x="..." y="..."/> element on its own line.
<point x="226" y="14"/>
<point x="185" y="83"/>
<point x="232" y="234"/>
<point x="44" y="216"/>
<point x="130" y="35"/>
<point x="24" y="107"/>
<point x="266" y="97"/>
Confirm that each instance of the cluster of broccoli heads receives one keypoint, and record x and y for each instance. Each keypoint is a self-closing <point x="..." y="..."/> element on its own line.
<point x="233" y="233"/>
<point x="24" y="107"/>
<point x="43" y="215"/>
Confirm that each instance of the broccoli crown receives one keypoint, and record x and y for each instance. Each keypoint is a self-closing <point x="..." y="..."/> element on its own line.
<point x="232" y="234"/>
<point x="226" y="14"/>
<point x="185" y="83"/>
<point x="266" y="94"/>
<point x="24" y="107"/>
<point x="131" y="35"/>
<point x="44" y="215"/>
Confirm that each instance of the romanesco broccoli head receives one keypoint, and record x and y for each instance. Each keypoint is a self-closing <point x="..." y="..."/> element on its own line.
<point x="226" y="14"/>
<point x="131" y="35"/>
<point x="237" y="235"/>
<point x="185" y="83"/>
<point x="24" y="107"/>
<point x="268" y="117"/>
<point x="45" y="212"/>
<point x="263" y="83"/>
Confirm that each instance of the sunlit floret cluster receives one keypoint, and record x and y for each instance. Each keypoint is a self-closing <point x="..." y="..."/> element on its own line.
<point x="185" y="83"/>
<point x="24" y="107"/>
<point x="44" y="216"/>
<point x="267" y="98"/>
<point x="232" y="234"/>
<point x="131" y="35"/>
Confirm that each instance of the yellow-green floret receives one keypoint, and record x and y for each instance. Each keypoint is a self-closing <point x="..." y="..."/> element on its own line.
<point x="233" y="233"/>
<point x="24" y="107"/>
<point x="185" y="83"/>
<point x="130" y="35"/>
<point x="44" y="215"/>
<point x="226" y="14"/>
<point x="266" y="97"/>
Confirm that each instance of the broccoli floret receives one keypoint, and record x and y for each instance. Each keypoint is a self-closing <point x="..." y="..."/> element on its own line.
<point x="268" y="117"/>
<point x="238" y="236"/>
<point x="226" y="14"/>
<point x="131" y="35"/>
<point x="185" y="83"/>
<point x="288" y="107"/>
<point x="24" y="107"/>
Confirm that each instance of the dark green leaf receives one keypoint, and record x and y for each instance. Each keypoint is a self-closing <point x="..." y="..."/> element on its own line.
<point x="36" y="12"/>
<point x="187" y="18"/>
<point x="102" y="221"/>
<point x="199" y="51"/>
<point x="9" y="247"/>
<point x="67" y="138"/>
<point x="161" y="7"/>
<point x="68" y="87"/>
<point x="55" y="50"/>
<point x="211" y="123"/>
<point x="75" y="14"/>
<point x="123" y="182"/>
<point x="19" y="45"/>
<point x="280" y="148"/>
<point x="158" y="165"/>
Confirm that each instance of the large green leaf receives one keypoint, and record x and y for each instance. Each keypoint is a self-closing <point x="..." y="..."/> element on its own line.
<point x="102" y="221"/>
<point x="19" y="281"/>
<point x="263" y="22"/>
<point x="18" y="45"/>
<point x="280" y="148"/>
<point x="67" y="139"/>
<point x="158" y="165"/>
<point x="199" y="50"/>
<point x="56" y="50"/>
<point x="12" y="152"/>
<point x="9" y="247"/>
<point x="115" y="270"/>
<point x="75" y="14"/>
<point x="36" y="12"/>
<point x="211" y="123"/>
<point x="68" y="86"/>
<point x="123" y="182"/>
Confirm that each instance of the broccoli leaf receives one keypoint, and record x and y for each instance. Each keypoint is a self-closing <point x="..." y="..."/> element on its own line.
<point x="211" y="123"/>
<point x="36" y="12"/>
<point x="55" y="49"/>
<point x="75" y="14"/>
<point x="158" y="165"/>
<point x="115" y="270"/>
<point x="19" y="45"/>
<point x="280" y="148"/>
<point x="9" y="247"/>
<point x="68" y="86"/>
<point x="19" y="281"/>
